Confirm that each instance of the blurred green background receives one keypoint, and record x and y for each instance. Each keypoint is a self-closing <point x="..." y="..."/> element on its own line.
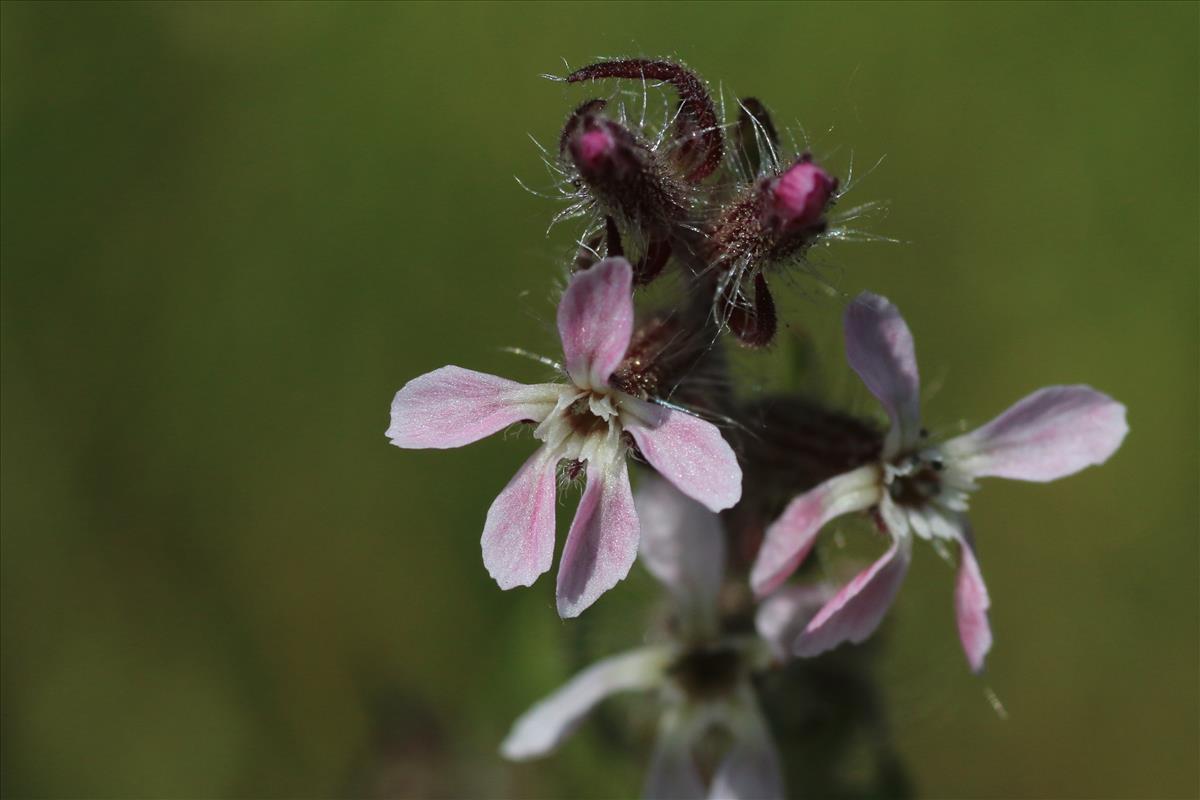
<point x="231" y="232"/>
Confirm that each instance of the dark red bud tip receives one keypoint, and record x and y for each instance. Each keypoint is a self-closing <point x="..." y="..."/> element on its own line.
<point x="799" y="196"/>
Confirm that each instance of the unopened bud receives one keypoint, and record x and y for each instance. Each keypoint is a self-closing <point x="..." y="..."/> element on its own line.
<point x="797" y="198"/>
<point x="700" y="143"/>
<point x="592" y="148"/>
<point x="622" y="175"/>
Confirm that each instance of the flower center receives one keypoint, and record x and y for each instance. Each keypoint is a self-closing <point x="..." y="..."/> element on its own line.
<point x="584" y="426"/>
<point x="708" y="672"/>
<point x="589" y="415"/>
<point x="915" y="479"/>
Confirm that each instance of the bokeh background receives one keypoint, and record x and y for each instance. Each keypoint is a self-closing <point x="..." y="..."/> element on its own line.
<point x="231" y="232"/>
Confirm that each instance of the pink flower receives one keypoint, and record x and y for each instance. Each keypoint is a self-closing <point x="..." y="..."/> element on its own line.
<point x="583" y="420"/>
<point x="921" y="487"/>
<point x="701" y="678"/>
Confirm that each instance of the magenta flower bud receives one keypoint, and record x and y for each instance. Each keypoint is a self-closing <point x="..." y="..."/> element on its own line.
<point x="798" y="197"/>
<point x="620" y="173"/>
<point x="592" y="148"/>
<point x="700" y="144"/>
<point x="602" y="150"/>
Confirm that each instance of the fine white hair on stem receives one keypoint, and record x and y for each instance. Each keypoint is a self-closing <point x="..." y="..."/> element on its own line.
<point x="520" y="351"/>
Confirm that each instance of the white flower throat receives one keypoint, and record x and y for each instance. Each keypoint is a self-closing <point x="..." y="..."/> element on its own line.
<point x="583" y="426"/>
<point x="924" y="491"/>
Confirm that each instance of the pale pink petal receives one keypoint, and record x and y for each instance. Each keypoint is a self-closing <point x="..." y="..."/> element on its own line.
<point x="970" y="607"/>
<point x="672" y="774"/>
<point x="785" y="614"/>
<point x="687" y="451"/>
<point x="603" y="541"/>
<point x="595" y="321"/>
<point x="518" y="536"/>
<point x="790" y="538"/>
<point x="682" y="544"/>
<point x="1054" y="432"/>
<point x="544" y="726"/>
<point x="451" y="406"/>
<point x="751" y="770"/>
<point x="879" y="347"/>
<point x="857" y="609"/>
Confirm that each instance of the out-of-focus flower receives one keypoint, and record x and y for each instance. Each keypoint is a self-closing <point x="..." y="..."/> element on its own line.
<point x="701" y="677"/>
<point x="583" y="421"/>
<point x="922" y="487"/>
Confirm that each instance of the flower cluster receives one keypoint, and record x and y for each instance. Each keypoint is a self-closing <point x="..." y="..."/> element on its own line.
<point x="734" y="489"/>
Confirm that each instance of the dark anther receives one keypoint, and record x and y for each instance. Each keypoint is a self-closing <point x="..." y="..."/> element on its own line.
<point x="915" y="490"/>
<point x="756" y="132"/>
<point x="697" y="120"/>
<point x="754" y="327"/>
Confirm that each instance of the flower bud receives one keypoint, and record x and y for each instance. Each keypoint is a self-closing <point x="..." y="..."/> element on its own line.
<point x="592" y="148"/>
<point x="797" y="199"/>
<point x="697" y="129"/>
<point x="621" y="173"/>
